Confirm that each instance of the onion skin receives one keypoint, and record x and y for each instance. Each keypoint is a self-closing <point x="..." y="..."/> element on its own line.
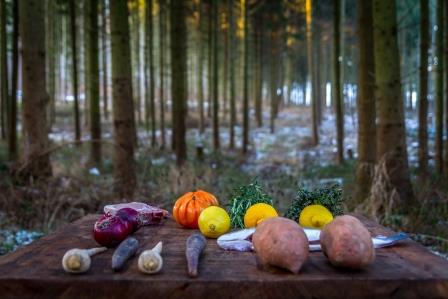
<point x="109" y="231"/>
<point x="130" y="215"/>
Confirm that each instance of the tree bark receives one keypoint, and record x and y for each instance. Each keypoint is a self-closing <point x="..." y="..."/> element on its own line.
<point x="309" y="46"/>
<point x="178" y="77"/>
<point x="232" y="75"/>
<point x="51" y="40"/>
<point x="439" y="88"/>
<point x="104" y="61"/>
<point x="366" y="103"/>
<point x="200" y="68"/>
<point x="92" y="76"/>
<point x="391" y="137"/>
<point x="246" y="79"/>
<point x="123" y="106"/>
<point x="258" y="30"/>
<point x="151" y="108"/>
<point x="3" y="70"/>
<point x="35" y="97"/>
<point x="161" y="69"/>
<point x="72" y="11"/>
<point x="216" y="143"/>
<point x="337" y="95"/>
<point x="446" y="90"/>
<point x="12" y="138"/>
<point x="423" y="93"/>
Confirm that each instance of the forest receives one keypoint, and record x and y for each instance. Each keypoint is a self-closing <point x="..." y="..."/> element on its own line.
<point x="104" y="101"/>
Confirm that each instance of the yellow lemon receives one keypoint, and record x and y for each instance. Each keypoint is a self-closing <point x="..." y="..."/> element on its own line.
<point x="315" y="216"/>
<point x="213" y="222"/>
<point x="257" y="213"/>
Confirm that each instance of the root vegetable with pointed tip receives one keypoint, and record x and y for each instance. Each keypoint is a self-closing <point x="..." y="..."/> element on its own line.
<point x="150" y="261"/>
<point x="195" y="245"/>
<point x="78" y="260"/>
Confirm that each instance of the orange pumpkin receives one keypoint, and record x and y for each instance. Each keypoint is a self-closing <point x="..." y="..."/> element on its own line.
<point x="188" y="207"/>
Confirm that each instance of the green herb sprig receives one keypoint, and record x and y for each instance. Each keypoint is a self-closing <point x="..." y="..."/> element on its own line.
<point x="328" y="196"/>
<point x="242" y="199"/>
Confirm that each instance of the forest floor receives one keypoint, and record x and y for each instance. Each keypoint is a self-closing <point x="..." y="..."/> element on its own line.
<point x="280" y="162"/>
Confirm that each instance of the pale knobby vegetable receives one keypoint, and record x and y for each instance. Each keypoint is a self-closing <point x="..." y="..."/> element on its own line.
<point x="78" y="260"/>
<point x="150" y="261"/>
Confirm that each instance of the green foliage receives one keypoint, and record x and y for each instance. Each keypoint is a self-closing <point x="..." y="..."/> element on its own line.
<point x="328" y="196"/>
<point x="243" y="198"/>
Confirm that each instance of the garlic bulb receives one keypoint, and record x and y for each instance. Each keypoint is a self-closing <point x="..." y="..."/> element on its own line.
<point x="150" y="261"/>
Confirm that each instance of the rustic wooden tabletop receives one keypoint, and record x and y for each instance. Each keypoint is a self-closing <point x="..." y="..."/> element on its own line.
<point x="407" y="270"/>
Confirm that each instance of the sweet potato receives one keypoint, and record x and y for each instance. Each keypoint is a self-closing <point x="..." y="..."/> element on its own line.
<point x="347" y="243"/>
<point x="281" y="242"/>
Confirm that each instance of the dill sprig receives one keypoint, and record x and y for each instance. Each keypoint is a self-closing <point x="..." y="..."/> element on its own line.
<point x="244" y="197"/>
<point x="328" y="196"/>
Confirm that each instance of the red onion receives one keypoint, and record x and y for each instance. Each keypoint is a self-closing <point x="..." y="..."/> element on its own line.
<point x="130" y="215"/>
<point x="109" y="231"/>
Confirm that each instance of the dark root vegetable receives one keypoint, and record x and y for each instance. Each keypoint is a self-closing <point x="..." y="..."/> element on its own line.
<point x="109" y="231"/>
<point x="130" y="215"/>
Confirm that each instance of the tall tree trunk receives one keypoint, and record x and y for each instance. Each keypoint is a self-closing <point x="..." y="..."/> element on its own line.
<point x="200" y="68"/>
<point x="178" y="77"/>
<point x="391" y="134"/>
<point x="258" y="71"/>
<point x="423" y="93"/>
<point x="151" y="110"/>
<point x="225" y="76"/>
<point x="3" y="70"/>
<point x="439" y="88"/>
<point x="337" y="95"/>
<point x="366" y="103"/>
<point x="216" y="143"/>
<point x="210" y="61"/>
<point x="446" y="90"/>
<point x="123" y="106"/>
<point x="136" y="57"/>
<point x="51" y="40"/>
<point x="12" y="140"/>
<point x="246" y="78"/>
<point x="162" y="19"/>
<point x="104" y="61"/>
<point x="309" y="46"/>
<point x="72" y="10"/>
<point x="232" y="74"/>
<point x="35" y="97"/>
<point x="92" y="76"/>
<point x="273" y="79"/>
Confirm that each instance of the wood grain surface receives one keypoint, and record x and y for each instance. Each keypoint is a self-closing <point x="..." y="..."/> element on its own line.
<point x="407" y="270"/>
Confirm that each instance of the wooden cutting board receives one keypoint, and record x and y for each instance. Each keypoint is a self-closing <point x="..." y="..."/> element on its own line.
<point x="407" y="270"/>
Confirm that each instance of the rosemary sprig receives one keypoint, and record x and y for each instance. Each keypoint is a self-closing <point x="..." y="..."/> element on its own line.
<point x="242" y="199"/>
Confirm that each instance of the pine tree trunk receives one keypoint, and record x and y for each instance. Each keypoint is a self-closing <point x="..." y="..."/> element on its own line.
<point x="439" y="88"/>
<point x="423" y="93"/>
<point x="151" y="110"/>
<point x="337" y="94"/>
<point x="258" y="71"/>
<point x="309" y="46"/>
<point x="92" y="76"/>
<point x="446" y="90"/>
<point x="50" y="34"/>
<point x="12" y="138"/>
<point x="178" y="77"/>
<point x="225" y="76"/>
<point x="391" y="135"/>
<point x="366" y="103"/>
<point x="123" y="106"/>
<point x="232" y="75"/>
<point x="210" y="61"/>
<point x="200" y="68"/>
<point x="136" y="60"/>
<point x="215" y="14"/>
<point x="35" y="97"/>
<point x="73" y="33"/>
<point x="273" y="80"/>
<point x="161" y="69"/>
<point x="3" y="70"/>
<point x="246" y="79"/>
<point x="104" y="61"/>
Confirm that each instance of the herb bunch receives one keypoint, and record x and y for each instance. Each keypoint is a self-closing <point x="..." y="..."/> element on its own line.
<point x="328" y="196"/>
<point x="242" y="199"/>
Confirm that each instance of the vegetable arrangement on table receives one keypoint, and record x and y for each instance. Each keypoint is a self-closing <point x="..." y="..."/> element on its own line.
<point x="313" y="222"/>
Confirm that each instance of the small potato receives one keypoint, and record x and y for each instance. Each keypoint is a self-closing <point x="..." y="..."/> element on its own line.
<point x="347" y="243"/>
<point x="281" y="242"/>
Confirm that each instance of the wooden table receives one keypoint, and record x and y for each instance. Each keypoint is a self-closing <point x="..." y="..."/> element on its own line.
<point x="407" y="270"/>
